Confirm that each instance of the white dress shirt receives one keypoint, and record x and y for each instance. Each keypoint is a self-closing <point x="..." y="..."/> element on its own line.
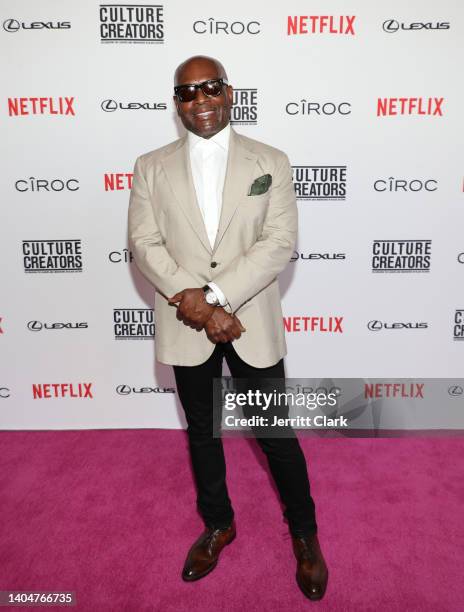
<point x="208" y="160"/>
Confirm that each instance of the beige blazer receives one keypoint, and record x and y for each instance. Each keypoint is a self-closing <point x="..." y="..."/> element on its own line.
<point x="255" y="240"/>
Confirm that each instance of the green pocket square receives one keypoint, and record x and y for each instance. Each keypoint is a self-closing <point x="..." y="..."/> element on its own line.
<point x="260" y="185"/>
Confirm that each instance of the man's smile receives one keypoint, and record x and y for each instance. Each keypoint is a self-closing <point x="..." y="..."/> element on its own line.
<point x="205" y="114"/>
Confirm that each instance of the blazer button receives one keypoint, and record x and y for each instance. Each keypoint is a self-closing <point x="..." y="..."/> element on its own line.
<point x="213" y="264"/>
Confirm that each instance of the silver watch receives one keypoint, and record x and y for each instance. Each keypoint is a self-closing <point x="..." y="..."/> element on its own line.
<point x="210" y="297"/>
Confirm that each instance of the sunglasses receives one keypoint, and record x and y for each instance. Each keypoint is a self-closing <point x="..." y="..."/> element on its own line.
<point x="211" y="88"/>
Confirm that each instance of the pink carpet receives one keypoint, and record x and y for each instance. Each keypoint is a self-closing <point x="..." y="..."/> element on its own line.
<point x="110" y="514"/>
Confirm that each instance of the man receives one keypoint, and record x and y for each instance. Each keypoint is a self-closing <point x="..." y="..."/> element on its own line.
<point x="212" y="222"/>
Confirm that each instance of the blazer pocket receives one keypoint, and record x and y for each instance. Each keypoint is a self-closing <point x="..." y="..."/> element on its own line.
<point x="255" y="203"/>
<point x="260" y="196"/>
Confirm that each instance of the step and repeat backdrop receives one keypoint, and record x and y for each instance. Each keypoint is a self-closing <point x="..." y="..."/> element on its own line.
<point x="366" y="100"/>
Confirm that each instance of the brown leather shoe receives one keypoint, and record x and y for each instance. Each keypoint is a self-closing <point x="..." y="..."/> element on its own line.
<point x="311" y="571"/>
<point x="203" y="556"/>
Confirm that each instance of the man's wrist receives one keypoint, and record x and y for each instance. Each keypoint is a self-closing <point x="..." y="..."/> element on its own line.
<point x="210" y="295"/>
<point x="217" y="290"/>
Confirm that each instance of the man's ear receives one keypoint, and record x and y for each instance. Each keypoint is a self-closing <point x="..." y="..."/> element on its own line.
<point x="176" y="102"/>
<point x="230" y="94"/>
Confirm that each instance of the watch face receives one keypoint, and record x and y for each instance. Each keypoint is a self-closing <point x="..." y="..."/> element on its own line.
<point x="211" y="298"/>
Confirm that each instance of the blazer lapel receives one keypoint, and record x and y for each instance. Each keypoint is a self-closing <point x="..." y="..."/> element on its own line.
<point x="239" y="171"/>
<point x="179" y="173"/>
<point x="238" y="177"/>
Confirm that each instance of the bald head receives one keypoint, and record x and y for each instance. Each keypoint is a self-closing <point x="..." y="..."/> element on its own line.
<point x="197" y="64"/>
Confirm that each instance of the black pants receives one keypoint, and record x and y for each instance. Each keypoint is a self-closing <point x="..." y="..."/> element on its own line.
<point x="285" y="457"/>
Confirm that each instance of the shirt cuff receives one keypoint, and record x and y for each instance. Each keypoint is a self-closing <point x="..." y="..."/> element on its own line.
<point x="221" y="297"/>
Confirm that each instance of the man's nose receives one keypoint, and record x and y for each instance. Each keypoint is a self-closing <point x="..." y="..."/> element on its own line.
<point x="200" y="97"/>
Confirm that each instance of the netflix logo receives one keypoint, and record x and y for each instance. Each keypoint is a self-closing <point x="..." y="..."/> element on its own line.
<point x="394" y="390"/>
<point x="19" y="107"/>
<point x="387" y="107"/>
<point x="314" y="324"/>
<point x="316" y="24"/>
<point x="62" y="390"/>
<point x="119" y="181"/>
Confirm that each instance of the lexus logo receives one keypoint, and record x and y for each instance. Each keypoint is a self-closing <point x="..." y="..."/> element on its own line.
<point x="455" y="390"/>
<point x="109" y="106"/>
<point x="390" y="26"/>
<point x="461" y="258"/>
<point x="11" y="25"/>
<point x="376" y="325"/>
<point x="4" y="392"/>
<point x="34" y="326"/>
<point x="126" y="390"/>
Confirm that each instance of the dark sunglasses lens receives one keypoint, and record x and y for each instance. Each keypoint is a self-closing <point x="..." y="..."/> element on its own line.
<point x="186" y="94"/>
<point x="213" y="88"/>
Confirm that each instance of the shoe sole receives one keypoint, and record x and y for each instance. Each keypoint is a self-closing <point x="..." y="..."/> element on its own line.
<point x="210" y="569"/>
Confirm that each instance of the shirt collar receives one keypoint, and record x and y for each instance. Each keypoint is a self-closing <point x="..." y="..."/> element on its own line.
<point x="221" y="138"/>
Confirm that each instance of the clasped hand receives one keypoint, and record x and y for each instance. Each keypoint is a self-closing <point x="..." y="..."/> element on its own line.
<point x="194" y="311"/>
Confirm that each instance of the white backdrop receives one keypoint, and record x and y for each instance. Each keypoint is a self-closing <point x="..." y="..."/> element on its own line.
<point x="57" y="328"/>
